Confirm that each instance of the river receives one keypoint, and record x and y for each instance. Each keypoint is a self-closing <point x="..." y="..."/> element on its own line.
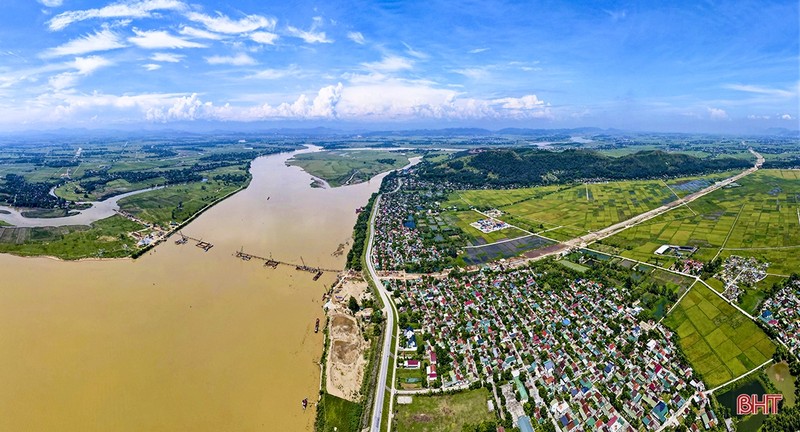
<point x="98" y="210"/>
<point x="180" y="339"/>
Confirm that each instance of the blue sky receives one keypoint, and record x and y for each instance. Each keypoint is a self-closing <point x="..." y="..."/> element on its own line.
<point x="638" y="65"/>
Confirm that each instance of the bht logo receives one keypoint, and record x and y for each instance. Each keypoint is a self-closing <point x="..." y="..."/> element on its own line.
<point x="750" y="404"/>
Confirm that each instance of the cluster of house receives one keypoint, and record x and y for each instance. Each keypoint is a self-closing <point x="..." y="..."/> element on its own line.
<point x="489" y="225"/>
<point x="396" y="241"/>
<point x="690" y="266"/>
<point x="740" y="271"/>
<point x="782" y="312"/>
<point x="576" y="351"/>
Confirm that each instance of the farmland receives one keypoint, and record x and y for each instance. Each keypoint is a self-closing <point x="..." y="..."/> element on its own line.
<point x="758" y="218"/>
<point x="566" y="212"/>
<point x="342" y="167"/>
<point x="720" y="342"/>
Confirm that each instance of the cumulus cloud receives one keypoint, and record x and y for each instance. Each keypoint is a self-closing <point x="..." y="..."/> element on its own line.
<point x="356" y="37"/>
<point x="311" y="35"/>
<point x="151" y="66"/>
<point x="377" y="100"/>
<point x="237" y="60"/>
<point x="390" y="63"/>
<point x="167" y="57"/>
<point x="224" y="24"/>
<point x="157" y="39"/>
<point x="126" y="9"/>
<point x="103" y="40"/>
<point x="87" y="65"/>
<point x="717" y="114"/>
<point x="787" y="117"/>
<point x="264" y="38"/>
<point x="528" y="102"/>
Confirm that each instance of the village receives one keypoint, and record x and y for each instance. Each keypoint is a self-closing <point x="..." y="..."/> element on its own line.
<point x="571" y="351"/>
<point x="782" y="313"/>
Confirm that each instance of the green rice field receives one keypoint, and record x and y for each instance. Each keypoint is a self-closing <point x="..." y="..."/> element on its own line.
<point x="720" y="342"/>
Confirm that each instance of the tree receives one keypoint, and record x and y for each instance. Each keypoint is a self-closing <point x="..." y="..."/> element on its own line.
<point x="352" y="304"/>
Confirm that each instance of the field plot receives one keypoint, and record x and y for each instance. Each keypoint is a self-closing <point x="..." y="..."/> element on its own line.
<point x="176" y="203"/>
<point x="444" y="413"/>
<point x="720" y="342"/>
<point x="463" y="219"/>
<point x="568" y="212"/>
<point x="758" y="218"/>
<point x="341" y="167"/>
<point x="506" y="249"/>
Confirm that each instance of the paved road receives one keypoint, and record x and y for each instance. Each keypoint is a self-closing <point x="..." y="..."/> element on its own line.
<point x="585" y="240"/>
<point x="380" y="385"/>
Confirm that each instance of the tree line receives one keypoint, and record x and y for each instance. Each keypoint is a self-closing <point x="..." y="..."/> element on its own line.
<point x="526" y="167"/>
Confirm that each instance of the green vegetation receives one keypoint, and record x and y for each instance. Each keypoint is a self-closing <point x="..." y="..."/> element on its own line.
<point x="526" y="167"/>
<point x="759" y="218"/>
<point x="337" y="414"/>
<point x="342" y="167"/>
<point x="106" y="238"/>
<point x="176" y="203"/>
<point x="567" y="211"/>
<point x="444" y="412"/>
<point x="720" y="342"/>
<point x="354" y="256"/>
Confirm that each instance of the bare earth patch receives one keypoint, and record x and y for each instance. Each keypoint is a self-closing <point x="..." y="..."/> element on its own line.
<point x="345" y="363"/>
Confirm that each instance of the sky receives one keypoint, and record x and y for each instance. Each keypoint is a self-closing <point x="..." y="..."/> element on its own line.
<point x="714" y="66"/>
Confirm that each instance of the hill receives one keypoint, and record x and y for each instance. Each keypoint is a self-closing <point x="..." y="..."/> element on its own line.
<point x="522" y="167"/>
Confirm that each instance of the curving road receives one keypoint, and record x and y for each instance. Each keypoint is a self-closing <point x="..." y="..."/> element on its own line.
<point x="388" y="308"/>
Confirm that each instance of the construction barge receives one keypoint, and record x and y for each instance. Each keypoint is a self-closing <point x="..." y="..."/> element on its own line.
<point x="206" y="246"/>
<point x="270" y="262"/>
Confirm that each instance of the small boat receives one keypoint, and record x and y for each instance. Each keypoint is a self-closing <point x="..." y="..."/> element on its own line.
<point x="305" y="403"/>
<point x="316" y="326"/>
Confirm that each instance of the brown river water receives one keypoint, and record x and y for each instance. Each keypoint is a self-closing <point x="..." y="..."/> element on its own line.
<point x="180" y="339"/>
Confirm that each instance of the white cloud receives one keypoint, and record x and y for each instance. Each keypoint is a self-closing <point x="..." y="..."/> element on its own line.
<point x="238" y="60"/>
<point x="271" y="74"/>
<point x="157" y="39"/>
<point x="167" y="57"/>
<point x="127" y="9"/>
<point x="390" y="63"/>
<point x="224" y="24"/>
<point x="717" y="114"/>
<point x="51" y="3"/>
<point x="523" y="103"/>
<point x="758" y="117"/>
<point x="414" y="53"/>
<point x="87" y="65"/>
<point x="356" y="37"/>
<point x="473" y="73"/>
<point x="151" y="66"/>
<point x="199" y="34"/>
<point x="312" y="35"/>
<point x="478" y="50"/>
<point x="103" y="40"/>
<point x="83" y="66"/>
<point x="265" y="38"/>
<point x="787" y="117"/>
<point x="761" y="90"/>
